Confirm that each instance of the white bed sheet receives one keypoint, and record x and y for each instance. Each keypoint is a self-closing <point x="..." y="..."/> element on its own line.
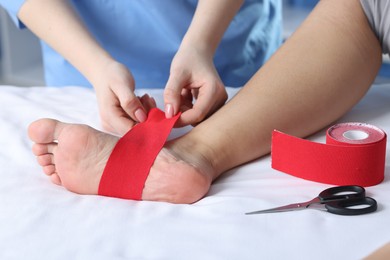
<point x="39" y="220"/>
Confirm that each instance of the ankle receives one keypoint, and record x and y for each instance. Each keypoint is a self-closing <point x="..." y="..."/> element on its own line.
<point x="197" y="153"/>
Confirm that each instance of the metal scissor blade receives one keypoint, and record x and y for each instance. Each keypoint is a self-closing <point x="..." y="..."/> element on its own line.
<point x="290" y="207"/>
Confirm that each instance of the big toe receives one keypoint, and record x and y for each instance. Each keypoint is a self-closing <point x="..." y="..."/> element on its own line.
<point x="43" y="130"/>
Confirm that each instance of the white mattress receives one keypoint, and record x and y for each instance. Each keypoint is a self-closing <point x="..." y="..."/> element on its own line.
<point x="39" y="220"/>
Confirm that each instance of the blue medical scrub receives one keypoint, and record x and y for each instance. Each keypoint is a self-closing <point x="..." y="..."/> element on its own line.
<point x="145" y="35"/>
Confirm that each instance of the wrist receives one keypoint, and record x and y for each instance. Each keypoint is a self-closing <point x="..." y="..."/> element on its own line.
<point x="99" y="68"/>
<point x="198" y="45"/>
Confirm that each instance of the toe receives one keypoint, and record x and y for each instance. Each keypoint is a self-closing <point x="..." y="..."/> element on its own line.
<point x="46" y="159"/>
<point x="55" y="179"/>
<point x="49" y="169"/>
<point x="44" y="130"/>
<point x="41" y="149"/>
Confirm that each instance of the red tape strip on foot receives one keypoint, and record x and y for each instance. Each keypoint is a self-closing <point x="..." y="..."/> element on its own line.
<point x="343" y="160"/>
<point x="130" y="161"/>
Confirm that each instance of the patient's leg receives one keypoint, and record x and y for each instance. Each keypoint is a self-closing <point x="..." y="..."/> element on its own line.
<point x="75" y="156"/>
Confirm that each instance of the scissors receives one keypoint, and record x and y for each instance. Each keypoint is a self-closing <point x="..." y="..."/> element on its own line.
<point x="340" y="200"/>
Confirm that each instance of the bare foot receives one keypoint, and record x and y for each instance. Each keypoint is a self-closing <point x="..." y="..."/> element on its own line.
<point x="75" y="156"/>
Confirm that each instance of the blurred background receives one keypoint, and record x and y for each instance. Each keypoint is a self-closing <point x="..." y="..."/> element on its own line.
<point x="20" y="54"/>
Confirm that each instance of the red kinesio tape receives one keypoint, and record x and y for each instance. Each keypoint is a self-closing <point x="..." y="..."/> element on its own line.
<point x="130" y="161"/>
<point x="354" y="154"/>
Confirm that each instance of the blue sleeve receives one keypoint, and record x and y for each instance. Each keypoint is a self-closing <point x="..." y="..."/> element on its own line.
<point x="12" y="7"/>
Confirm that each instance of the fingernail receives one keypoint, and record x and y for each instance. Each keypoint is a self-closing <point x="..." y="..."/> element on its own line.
<point x="168" y="111"/>
<point x="140" y="115"/>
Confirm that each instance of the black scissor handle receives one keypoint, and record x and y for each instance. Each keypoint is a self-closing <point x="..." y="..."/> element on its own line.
<point x="350" y="191"/>
<point x="342" y="207"/>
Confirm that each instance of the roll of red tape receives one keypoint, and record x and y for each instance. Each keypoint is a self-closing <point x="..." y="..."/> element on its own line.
<point x="354" y="154"/>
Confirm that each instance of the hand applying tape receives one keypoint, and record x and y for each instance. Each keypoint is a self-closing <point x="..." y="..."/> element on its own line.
<point x="354" y="154"/>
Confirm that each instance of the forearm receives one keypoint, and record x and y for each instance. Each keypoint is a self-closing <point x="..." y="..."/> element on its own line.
<point x="57" y="23"/>
<point x="210" y="21"/>
<point x="317" y="75"/>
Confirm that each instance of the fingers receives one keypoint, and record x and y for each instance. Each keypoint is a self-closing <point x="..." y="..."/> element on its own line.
<point x="118" y="123"/>
<point x="208" y="100"/>
<point x="116" y="120"/>
<point x="172" y="96"/>
<point x="132" y="105"/>
<point x="148" y="102"/>
<point x="120" y="109"/>
<point x="193" y="75"/>
<point x="200" y="110"/>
